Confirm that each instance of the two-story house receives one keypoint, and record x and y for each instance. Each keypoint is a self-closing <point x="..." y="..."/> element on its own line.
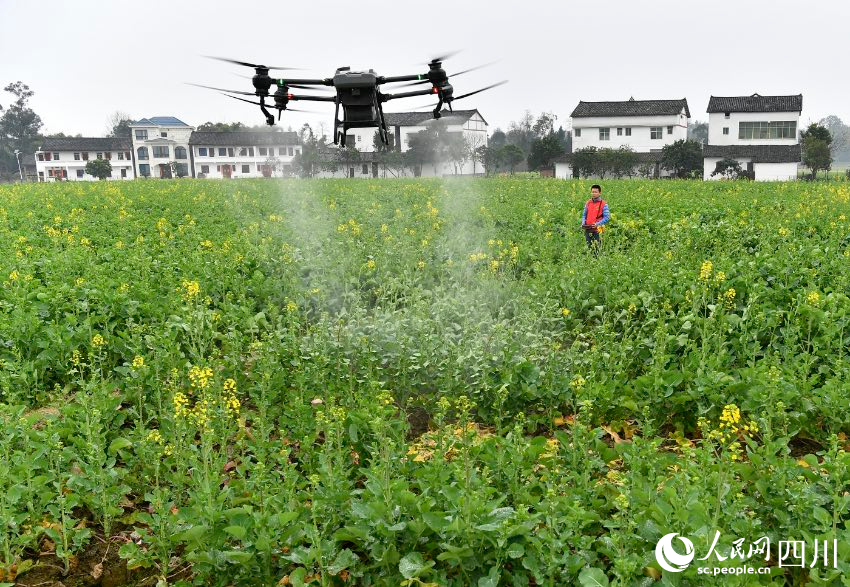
<point x="401" y="125"/>
<point x="243" y="153"/>
<point x="760" y="132"/>
<point x="158" y="142"/>
<point x="644" y="126"/>
<point x="66" y="158"/>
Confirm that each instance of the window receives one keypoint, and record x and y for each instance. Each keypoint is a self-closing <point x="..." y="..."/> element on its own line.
<point x="161" y="152"/>
<point x="578" y="132"/>
<point x="619" y="131"/>
<point x="56" y="156"/>
<point x="365" y="169"/>
<point x="108" y="155"/>
<point x="142" y="153"/>
<point x="246" y="169"/>
<point x="243" y="151"/>
<point x="80" y="173"/>
<point x="784" y="129"/>
<point x="86" y="157"/>
<point x="222" y="152"/>
<point x="230" y="151"/>
<point x="655" y="132"/>
<point x="726" y="115"/>
<point x="290" y="152"/>
<point x="145" y="169"/>
<point x="263" y="151"/>
<point x="41" y="156"/>
<point x="202" y="151"/>
<point x="124" y="173"/>
<point x="726" y="130"/>
<point x="100" y="155"/>
<point x="76" y="156"/>
<point x="250" y="151"/>
<point x="669" y="130"/>
<point x="120" y="155"/>
<point x="127" y="155"/>
<point x="281" y="151"/>
<point x="141" y="135"/>
<point x="163" y="134"/>
<point x="604" y="134"/>
<point x="179" y="152"/>
<point x="629" y="132"/>
<point x="205" y="168"/>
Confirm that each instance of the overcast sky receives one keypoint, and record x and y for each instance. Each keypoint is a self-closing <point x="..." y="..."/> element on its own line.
<point x="85" y="59"/>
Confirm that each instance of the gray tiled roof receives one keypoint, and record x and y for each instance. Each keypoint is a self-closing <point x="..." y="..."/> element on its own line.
<point x="756" y="103"/>
<point x="758" y="153"/>
<point x="631" y="107"/>
<point x="241" y="138"/>
<point x="421" y="118"/>
<point x="86" y="144"/>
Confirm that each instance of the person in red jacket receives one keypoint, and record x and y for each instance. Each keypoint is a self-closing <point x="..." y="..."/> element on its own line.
<point x="594" y="216"/>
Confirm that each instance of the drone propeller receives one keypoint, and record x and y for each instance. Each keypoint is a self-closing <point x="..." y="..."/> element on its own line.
<point x="288" y="109"/>
<point x="298" y="86"/>
<point x="441" y="58"/>
<point x="451" y="75"/>
<point x="223" y="90"/>
<point x="479" y="90"/>
<point x="246" y="64"/>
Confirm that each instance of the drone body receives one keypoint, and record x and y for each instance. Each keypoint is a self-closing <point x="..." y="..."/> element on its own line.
<point x="357" y="92"/>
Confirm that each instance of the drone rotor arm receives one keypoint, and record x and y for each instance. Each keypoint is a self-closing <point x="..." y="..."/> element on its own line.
<point x="428" y="92"/>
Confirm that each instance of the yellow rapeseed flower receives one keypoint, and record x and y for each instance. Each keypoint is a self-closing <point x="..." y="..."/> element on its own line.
<point x="97" y="341"/>
<point x="813" y="298"/>
<point x="565" y="312"/>
<point x="138" y="362"/>
<point x="705" y="270"/>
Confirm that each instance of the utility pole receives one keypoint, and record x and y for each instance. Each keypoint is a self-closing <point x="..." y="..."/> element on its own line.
<point x="18" y="158"/>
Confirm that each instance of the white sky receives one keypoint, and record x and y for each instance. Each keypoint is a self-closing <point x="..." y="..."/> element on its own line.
<point x="87" y="58"/>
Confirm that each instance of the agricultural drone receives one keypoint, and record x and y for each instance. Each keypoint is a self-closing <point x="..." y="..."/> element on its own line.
<point x="357" y="92"/>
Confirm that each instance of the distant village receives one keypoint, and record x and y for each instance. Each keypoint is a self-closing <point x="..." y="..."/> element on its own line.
<point x="758" y="132"/>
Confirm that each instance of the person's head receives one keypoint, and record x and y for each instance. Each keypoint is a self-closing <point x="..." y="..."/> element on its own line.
<point x="595" y="190"/>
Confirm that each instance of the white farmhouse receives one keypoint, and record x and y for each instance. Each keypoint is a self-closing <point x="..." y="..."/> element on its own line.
<point x="66" y="158"/>
<point x="401" y="125"/>
<point x="645" y="126"/>
<point x="158" y="142"/>
<point x="235" y="154"/>
<point x="760" y="132"/>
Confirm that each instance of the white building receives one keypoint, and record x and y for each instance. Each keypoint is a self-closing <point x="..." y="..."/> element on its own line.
<point x="157" y="143"/>
<point x="644" y="126"/>
<point x="66" y="158"/>
<point x="243" y="153"/>
<point x="400" y="126"/>
<point x="760" y="132"/>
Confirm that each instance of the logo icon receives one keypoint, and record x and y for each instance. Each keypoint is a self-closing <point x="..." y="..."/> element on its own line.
<point x="668" y="558"/>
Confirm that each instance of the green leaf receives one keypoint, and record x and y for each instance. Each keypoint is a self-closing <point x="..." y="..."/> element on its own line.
<point x="592" y="577"/>
<point x="516" y="550"/>
<point x="237" y="532"/>
<point x="344" y="559"/>
<point x="118" y="444"/>
<point x="296" y="577"/>
<point x="412" y="565"/>
<point x="237" y="556"/>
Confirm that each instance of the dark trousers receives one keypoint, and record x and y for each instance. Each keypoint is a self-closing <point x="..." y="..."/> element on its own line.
<point x="594" y="241"/>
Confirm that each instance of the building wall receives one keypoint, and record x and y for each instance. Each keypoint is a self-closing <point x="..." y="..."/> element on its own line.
<point x="176" y="136"/>
<point x="717" y="121"/>
<point x="236" y="161"/>
<point x="563" y="171"/>
<point x="640" y="141"/>
<point x="71" y="166"/>
<point x="763" y="171"/>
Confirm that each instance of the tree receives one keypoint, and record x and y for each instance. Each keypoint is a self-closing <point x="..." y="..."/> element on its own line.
<point x="584" y="162"/>
<point x="544" y="150"/>
<point x="222" y="126"/>
<point x="19" y="125"/>
<point x="498" y="139"/>
<point x="728" y="168"/>
<point x="99" y="168"/>
<point x="840" y="133"/>
<point x="491" y="158"/>
<point x="179" y="169"/>
<point x="118" y="125"/>
<point x="512" y="155"/>
<point x="698" y="131"/>
<point x="816" y="142"/>
<point x="474" y="143"/>
<point x="624" y="161"/>
<point x="682" y="158"/>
